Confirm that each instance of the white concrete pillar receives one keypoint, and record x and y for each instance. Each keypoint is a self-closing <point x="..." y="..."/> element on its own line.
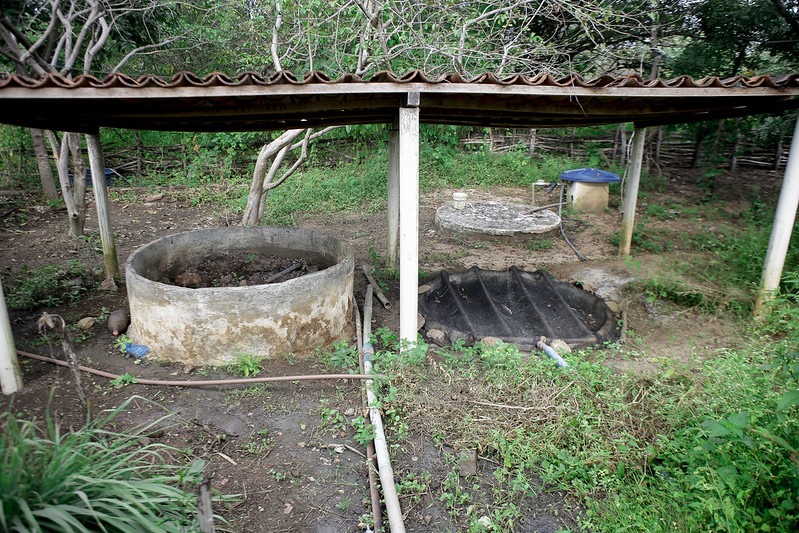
<point x="95" y="151"/>
<point x="392" y="210"/>
<point x="782" y="229"/>
<point x="631" y="192"/>
<point x="10" y="377"/>
<point x="408" y="159"/>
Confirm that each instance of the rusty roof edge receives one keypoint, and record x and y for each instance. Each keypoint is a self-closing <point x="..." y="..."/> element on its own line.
<point x="414" y="77"/>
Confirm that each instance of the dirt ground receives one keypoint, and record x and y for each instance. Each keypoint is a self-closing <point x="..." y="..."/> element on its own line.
<point x="286" y="449"/>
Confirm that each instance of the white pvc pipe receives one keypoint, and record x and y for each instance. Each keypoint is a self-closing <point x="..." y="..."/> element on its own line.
<point x="409" y="222"/>
<point x="10" y="377"/>
<point x="392" y="208"/>
<point x="631" y="192"/>
<point x="782" y="229"/>
<point x="396" y="522"/>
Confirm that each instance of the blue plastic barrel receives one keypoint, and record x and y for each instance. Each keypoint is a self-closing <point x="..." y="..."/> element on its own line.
<point x="109" y="175"/>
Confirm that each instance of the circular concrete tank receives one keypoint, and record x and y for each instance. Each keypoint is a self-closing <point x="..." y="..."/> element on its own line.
<point x="212" y="326"/>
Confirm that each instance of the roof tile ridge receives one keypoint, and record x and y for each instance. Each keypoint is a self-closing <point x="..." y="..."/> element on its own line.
<point x="709" y="82"/>
<point x="571" y="79"/>
<point x="631" y="80"/>
<point x="602" y="80"/>
<point x="383" y="76"/>
<point x="23" y="81"/>
<point x="319" y="76"/>
<point x="217" y="78"/>
<point x="185" y="78"/>
<point x="85" y="80"/>
<point x="680" y="81"/>
<point x="284" y="77"/>
<point x="417" y="76"/>
<point x="117" y="79"/>
<point x="151" y="80"/>
<point x="251" y="77"/>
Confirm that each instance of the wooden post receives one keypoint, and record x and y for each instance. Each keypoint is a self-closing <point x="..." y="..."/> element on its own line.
<point x="392" y="209"/>
<point x="97" y="166"/>
<point x="10" y="377"/>
<point x="408" y="158"/>
<point x="631" y="192"/>
<point x="784" y="219"/>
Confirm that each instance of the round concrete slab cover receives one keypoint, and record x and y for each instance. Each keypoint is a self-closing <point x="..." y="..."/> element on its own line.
<point x="496" y="218"/>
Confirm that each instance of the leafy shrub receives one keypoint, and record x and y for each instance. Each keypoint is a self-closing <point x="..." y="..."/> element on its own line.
<point x="91" y="479"/>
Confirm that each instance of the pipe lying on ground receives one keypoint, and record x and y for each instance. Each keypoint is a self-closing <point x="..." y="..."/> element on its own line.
<point x="393" y="510"/>
<point x="199" y="383"/>
<point x="377" y="512"/>
<point x="367" y="271"/>
<point x="542" y="345"/>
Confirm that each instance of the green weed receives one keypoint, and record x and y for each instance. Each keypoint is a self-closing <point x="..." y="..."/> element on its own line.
<point x="245" y="365"/>
<point x="343" y="357"/>
<point x="540" y="245"/>
<point x="364" y="432"/>
<point x="92" y="479"/>
<point x="50" y="285"/>
<point x="260" y="443"/>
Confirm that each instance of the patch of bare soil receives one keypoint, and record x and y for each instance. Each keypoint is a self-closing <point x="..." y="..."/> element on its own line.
<point x="287" y="450"/>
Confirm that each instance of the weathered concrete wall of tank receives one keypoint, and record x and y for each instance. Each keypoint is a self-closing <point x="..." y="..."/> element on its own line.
<point x="212" y="326"/>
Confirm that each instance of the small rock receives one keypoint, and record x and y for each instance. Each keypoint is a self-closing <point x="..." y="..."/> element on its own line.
<point x="560" y="346"/>
<point x="188" y="369"/>
<point x="419" y="321"/>
<point x="485" y="523"/>
<point x="349" y="412"/>
<point x="423" y="288"/>
<point x="87" y="323"/>
<point x="301" y="444"/>
<point x="437" y="336"/>
<point x="467" y="463"/>
<point x="288" y="508"/>
<point x="490" y="341"/>
<point x="154" y="197"/>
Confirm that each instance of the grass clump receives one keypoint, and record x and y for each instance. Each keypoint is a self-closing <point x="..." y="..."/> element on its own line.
<point x="92" y="479"/>
<point x="679" y="450"/>
<point x="50" y="285"/>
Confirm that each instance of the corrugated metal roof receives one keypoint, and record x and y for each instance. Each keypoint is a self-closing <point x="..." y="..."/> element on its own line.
<point x="252" y="101"/>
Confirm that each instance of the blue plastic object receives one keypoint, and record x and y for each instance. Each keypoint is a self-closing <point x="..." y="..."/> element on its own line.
<point x="137" y="350"/>
<point x="590" y="175"/>
<point x="109" y="176"/>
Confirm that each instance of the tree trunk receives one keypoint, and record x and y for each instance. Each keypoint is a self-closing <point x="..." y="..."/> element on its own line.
<point x="778" y="154"/>
<point x="262" y="166"/>
<point x="700" y="137"/>
<point x="43" y="162"/>
<point x="623" y="144"/>
<point x="734" y="152"/>
<point x="717" y="141"/>
<point x="77" y="219"/>
<point x="139" y="154"/>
